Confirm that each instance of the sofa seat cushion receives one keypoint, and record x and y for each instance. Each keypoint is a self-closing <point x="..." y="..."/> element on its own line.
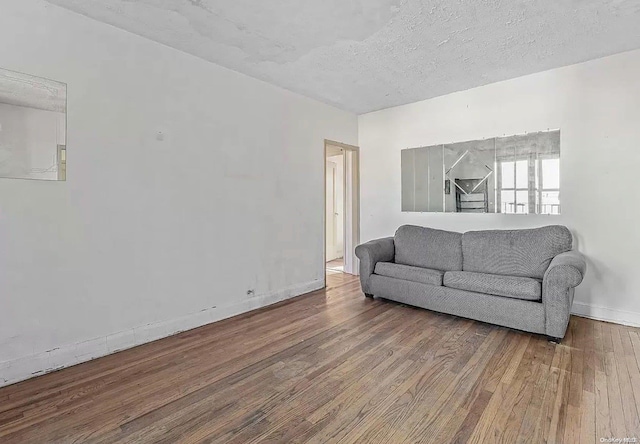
<point x="509" y="286"/>
<point x="409" y="273"/>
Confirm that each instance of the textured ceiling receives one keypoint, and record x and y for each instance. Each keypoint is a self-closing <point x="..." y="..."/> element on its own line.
<point x="365" y="55"/>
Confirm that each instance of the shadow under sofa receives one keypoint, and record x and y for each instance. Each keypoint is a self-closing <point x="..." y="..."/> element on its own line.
<point x="522" y="279"/>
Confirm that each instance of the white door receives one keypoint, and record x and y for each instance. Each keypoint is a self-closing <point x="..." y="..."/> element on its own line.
<point x="351" y="216"/>
<point x="331" y="212"/>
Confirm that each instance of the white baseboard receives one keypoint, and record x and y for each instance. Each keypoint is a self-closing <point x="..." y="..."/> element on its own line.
<point x="606" y="314"/>
<point x="71" y="354"/>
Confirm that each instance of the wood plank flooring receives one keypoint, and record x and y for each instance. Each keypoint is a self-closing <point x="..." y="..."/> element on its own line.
<point x="333" y="366"/>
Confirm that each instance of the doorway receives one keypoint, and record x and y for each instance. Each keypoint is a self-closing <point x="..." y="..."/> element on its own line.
<point x="342" y="212"/>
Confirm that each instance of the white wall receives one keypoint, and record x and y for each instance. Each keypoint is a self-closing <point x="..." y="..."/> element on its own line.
<point x="596" y="107"/>
<point x="146" y="237"/>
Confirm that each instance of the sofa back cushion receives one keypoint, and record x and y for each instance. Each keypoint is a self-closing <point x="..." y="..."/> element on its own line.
<point x="525" y="253"/>
<point x="428" y="248"/>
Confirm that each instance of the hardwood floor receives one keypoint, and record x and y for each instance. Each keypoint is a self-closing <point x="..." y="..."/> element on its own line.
<point x="334" y="366"/>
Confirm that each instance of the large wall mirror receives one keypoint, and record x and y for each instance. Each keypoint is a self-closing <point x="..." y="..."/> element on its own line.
<point x="33" y="116"/>
<point x="514" y="175"/>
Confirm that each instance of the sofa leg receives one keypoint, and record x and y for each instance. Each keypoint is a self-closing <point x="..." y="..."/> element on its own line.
<point x="552" y="339"/>
<point x="369" y="295"/>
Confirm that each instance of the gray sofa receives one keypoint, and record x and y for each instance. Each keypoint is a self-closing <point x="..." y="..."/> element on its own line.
<point x="522" y="279"/>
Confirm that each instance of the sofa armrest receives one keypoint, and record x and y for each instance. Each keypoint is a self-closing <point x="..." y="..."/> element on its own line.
<point x="370" y="253"/>
<point x="565" y="272"/>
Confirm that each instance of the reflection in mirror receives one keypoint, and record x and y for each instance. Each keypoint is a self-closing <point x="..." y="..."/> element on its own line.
<point x="469" y="168"/>
<point x="514" y="175"/>
<point x="32" y="127"/>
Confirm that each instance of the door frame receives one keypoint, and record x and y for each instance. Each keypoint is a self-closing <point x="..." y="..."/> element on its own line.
<point x="329" y="165"/>
<point x="355" y="210"/>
